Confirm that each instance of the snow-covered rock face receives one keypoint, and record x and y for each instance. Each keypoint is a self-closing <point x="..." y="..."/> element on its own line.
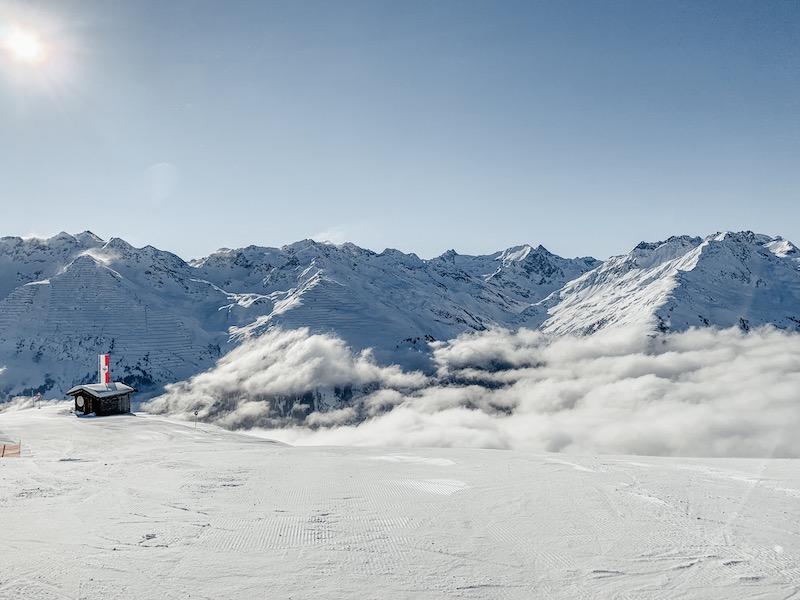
<point x="393" y="302"/>
<point x="727" y="279"/>
<point x="65" y="299"/>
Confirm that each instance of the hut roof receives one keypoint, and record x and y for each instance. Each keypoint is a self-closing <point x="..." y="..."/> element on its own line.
<point x="102" y="390"/>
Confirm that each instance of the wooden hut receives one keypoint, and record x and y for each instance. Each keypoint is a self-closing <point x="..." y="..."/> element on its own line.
<point x="102" y="398"/>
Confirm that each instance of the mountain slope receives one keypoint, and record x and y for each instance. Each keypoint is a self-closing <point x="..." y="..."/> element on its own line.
<point x="392" y="302"/>
<point x="68" y="298"/>
<point x="723" y="280"/>
<point x="51" y="331"/>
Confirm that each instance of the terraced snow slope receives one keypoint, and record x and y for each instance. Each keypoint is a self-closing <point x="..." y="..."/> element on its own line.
<point x="139" y="507"/>
<point x="53" y="329"/>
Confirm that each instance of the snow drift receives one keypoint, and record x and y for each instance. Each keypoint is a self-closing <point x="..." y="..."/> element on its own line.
<point x="703" y="392"/>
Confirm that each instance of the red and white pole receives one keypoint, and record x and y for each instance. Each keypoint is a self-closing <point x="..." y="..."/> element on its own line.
<point x="103" y="374"/>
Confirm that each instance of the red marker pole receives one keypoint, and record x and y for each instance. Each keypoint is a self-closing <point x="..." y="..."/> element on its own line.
<point x="103" y="375"/>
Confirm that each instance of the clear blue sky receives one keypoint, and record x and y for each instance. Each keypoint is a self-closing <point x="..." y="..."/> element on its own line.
<point x="420" y="125"/>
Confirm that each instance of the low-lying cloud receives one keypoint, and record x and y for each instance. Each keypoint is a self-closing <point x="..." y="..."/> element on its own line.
<point x="282" y="377"/>
<point x="703" y="392"/>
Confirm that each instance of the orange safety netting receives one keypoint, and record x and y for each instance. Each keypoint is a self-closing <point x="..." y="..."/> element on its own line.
<point x="10" y="450"/>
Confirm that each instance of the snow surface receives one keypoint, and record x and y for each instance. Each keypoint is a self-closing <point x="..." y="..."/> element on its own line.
<point x="102" y="390"/>
<point x="143" y="507"/>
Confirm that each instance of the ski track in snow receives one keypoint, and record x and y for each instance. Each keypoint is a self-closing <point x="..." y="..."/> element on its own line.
<point x="143" y="507"/>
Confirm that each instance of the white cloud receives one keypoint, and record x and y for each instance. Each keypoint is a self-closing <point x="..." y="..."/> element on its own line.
<point x="334" y="235"/>
<point x="280" y="375"/>
<point x="698" y="393"/>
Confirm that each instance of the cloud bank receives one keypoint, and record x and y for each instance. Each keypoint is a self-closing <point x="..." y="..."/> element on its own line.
<point x="284" y="377"/>
<point x="699" y="393"/>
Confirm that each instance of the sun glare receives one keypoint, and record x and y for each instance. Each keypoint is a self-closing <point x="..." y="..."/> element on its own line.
<point x="24" y="46"/>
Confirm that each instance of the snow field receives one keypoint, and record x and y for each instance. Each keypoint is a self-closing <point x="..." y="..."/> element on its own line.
<point x="144" y="507"/>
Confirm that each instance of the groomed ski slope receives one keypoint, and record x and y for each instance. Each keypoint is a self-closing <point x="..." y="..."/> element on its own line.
<point x="142" y="507"/>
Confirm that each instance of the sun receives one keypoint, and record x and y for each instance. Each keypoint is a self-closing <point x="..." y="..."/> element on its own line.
<point x="24" y="46"/>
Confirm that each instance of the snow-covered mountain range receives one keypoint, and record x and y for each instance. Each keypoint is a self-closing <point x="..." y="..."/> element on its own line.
<point x="65" y="299"/>
<point x="724" y="280"/>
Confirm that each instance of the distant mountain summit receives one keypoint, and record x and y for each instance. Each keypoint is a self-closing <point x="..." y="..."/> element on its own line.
<point x="391" y="302"/>
<point x="70" y="298"/>
<point x="727" y="279"/>
<point x="65" y="299"/>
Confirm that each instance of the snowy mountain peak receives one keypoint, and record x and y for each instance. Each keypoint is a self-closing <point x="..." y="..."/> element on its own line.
<point x="83" y="260"/>
<point x="61" y="238"/>
<point x="88" y="238"/>
<point x="516" y="254"/>
<point x="117" y="244"/>
<point x="91" y="295"/>
<point x="783" y="248"/>
<point x="398" y="256"/>
<point x="726" y="279"/>
<point x="646" y="255"/>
